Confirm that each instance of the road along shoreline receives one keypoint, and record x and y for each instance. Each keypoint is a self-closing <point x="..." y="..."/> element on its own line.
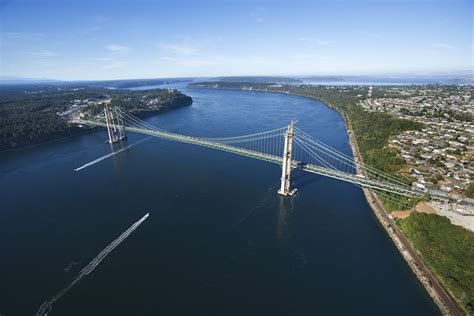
<point x="433" y="286"/>
<point x="445" y="302"/>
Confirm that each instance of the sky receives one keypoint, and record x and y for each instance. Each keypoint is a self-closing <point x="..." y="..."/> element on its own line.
<point x="95" y="40"/>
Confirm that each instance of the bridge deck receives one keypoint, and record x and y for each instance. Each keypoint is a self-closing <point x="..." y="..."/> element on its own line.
<point x="348" y="177"/>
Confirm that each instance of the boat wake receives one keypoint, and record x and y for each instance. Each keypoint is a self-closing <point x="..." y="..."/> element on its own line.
<point x="93" y="162"/>
<point x="46" y="307"/>
<point x="71" y="265"/>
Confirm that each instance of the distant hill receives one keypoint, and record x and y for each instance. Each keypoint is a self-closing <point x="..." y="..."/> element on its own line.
<point x="323" y="78"/>
<point x="130" y="83"/>
<point x="258" y="79"/>
<point x="10" y="81"/>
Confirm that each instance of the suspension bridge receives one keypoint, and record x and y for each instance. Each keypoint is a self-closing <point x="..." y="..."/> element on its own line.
<point x="287" y="146"/>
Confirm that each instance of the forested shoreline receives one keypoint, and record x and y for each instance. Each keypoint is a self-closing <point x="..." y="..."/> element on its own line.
<point x="34" y="114"/>
<point x="452" y="259"/>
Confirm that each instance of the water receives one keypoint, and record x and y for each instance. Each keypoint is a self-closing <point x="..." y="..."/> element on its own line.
<point x="219" y="240"/>
<point x="390" y="80"/>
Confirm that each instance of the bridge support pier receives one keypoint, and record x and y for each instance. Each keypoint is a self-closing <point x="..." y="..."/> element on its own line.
<point x="285" y="189"/>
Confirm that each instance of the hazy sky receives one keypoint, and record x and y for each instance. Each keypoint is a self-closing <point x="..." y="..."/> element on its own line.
<point x="170" y="38"/>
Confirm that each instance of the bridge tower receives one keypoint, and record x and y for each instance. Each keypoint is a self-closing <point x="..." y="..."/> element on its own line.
<point x="121" y="128"/>
<point x="286" y="167"/>
<point x="114" y="121"/>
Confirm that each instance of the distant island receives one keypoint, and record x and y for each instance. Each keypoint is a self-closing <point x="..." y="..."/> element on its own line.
<point x="32" y="114"/>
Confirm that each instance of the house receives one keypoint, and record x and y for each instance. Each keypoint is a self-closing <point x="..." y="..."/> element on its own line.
<point x="418" y="185"/>
<point x="446" y="187"/>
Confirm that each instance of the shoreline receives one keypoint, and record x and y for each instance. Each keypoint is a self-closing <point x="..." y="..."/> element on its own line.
<point x="441" y="297"/>
<point x="80" y="131"/>
<point x="446" y="304"/>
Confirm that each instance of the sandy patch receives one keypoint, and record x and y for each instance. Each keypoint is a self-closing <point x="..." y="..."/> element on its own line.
<point x="400" y="214"/>
<point x="425" y="207"/>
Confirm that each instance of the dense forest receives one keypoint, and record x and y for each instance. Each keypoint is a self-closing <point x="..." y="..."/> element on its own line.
<point x="448" y="250"/>
<point x="29" y="114"/>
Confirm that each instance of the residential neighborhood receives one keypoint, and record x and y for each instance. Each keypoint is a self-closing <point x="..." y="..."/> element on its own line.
<point x="440" y="156"/>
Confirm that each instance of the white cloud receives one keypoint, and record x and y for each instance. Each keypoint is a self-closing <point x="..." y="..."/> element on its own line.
<point x="117" y="48"/>
<point x="443" y="46"/>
